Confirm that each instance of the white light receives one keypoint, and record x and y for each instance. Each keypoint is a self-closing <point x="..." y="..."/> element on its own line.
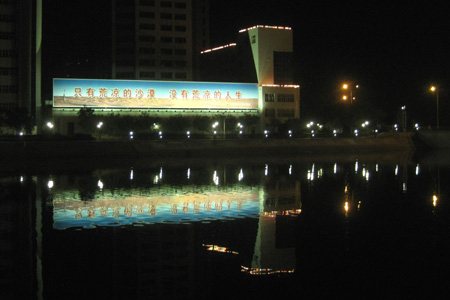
<point x="290" y="170"/>
<point x="99" y="125"/>
<point x="160" y="173"/>
<point x="396" y="170"/>
<point x="21" y="133"/>
<point x="266" y="170"/>
<point x="417" y="169"/>
<point x="216" y="178"/>
<point x="335" y="168"/>
<point x="356" y="166"/>
<point x="21" y="178"/>
<point x="100" y="184"/>
<point x="241" y="175"/>
<point x="50" y="184"/>
<point x="50" y="125"/>
<point x="131" y="174"/>
<point x="188" y="173"/>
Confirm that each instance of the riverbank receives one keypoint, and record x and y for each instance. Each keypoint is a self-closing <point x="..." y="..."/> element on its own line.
<point x="82" y="155"/>
<point x="203" y="148"/>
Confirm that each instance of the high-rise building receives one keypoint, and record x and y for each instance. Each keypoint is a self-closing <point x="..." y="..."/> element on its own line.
<point x="158" y="39"/>
<point x="20" y="55"/>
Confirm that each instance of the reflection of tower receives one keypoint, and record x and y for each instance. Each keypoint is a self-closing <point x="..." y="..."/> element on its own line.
<point x="17" y="244"/>
<point x="274" y="253"/>
<point x="165" y="261"/>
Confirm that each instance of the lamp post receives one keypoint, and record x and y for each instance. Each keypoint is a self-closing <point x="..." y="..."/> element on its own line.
<point x="99" y="126"/>
<point x="435" y="89"/>
<point x="346" y="86"/>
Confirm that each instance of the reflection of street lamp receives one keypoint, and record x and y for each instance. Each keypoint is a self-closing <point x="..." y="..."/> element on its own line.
<point x="435" y="89"/>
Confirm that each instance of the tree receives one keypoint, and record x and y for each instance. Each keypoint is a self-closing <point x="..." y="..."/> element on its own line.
<point x="86" y="119"/>
<point x="177" y="124"/>
<point x="18" y="119"/>
<point x="202" y="123"/>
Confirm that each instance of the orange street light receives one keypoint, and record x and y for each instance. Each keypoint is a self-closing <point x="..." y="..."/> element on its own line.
<point x="435" y="89"/>
<point x="346" y="86"/>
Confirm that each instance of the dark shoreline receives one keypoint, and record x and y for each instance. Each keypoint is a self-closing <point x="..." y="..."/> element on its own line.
<point x="84" y="155"/>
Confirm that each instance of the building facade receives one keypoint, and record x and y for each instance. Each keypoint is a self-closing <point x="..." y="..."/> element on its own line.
<point x="263" y="54"/>
<point x="158" y="40"/>
<point x="20" y="55"/>
<point x="250" y="77"/>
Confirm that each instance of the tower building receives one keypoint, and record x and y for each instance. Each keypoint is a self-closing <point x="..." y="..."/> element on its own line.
<point x="20" y="55"/>
<point x="158" y="39"/>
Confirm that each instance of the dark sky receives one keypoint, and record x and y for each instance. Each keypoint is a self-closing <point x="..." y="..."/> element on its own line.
<point x="393" y="49"/>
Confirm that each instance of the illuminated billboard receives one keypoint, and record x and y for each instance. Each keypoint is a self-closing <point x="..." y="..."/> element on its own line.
<point x="74" y="93"/>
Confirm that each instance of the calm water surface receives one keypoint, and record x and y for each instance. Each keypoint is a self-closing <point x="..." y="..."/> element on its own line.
<point x="357" y="229"/>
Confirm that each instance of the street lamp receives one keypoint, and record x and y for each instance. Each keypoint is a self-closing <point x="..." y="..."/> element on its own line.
<point x="99" y="126"/>
<point x="435" y="89"/>
<point x="346" y="86"/>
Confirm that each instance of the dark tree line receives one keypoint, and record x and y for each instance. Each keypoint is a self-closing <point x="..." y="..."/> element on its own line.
<point x="18" y="119"/>
<point x="121" y="124"/>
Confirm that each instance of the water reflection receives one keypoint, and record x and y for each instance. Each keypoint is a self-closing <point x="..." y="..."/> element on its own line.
<point x="178" y="232"/>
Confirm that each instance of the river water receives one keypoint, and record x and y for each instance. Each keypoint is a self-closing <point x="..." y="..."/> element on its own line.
<point x="359" y="228"/>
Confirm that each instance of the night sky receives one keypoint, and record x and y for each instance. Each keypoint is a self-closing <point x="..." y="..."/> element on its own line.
<point x="393" y="49"/>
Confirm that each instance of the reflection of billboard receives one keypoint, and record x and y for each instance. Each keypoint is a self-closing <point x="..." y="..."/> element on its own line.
<point x="153" y="94"/>
<point x="108" y="210"/>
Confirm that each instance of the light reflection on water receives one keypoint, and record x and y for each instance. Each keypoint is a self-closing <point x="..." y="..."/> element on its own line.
<point x="182" y="232"/>
<point x="166" y="204"/>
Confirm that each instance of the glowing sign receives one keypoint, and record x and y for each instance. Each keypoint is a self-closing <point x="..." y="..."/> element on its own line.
<point x="73" y="93"/>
